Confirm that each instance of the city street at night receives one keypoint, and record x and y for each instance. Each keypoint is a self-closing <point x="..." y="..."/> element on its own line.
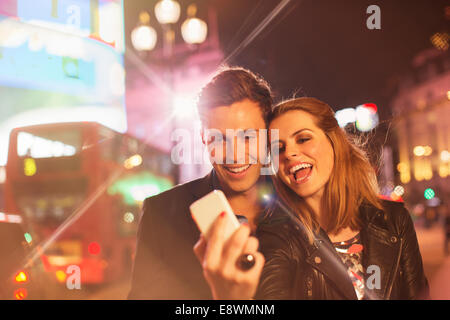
<point x="224" y="150"/>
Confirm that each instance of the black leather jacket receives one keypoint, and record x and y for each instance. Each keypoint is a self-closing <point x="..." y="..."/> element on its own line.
<point x="297" y="269"/>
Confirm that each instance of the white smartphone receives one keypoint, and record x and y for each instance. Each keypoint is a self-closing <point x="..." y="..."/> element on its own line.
<point x="205" y="210"/>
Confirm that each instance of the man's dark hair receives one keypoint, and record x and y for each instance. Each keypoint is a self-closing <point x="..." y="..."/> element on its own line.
<point x="234" y="84"/>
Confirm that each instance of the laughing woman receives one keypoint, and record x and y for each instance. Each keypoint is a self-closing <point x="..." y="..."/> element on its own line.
<point x="334" y="238"/>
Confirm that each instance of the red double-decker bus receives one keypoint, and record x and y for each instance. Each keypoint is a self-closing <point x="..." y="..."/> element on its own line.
<point x="78" y="188"/>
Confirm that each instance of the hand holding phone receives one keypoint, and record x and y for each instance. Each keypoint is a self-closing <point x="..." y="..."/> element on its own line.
<point x="205" y="211"/>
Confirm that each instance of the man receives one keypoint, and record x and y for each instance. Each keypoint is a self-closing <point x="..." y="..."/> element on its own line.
<point x="165" y="264"/>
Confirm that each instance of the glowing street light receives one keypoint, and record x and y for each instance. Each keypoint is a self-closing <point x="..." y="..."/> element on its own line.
<point x="194" y="30"/>
<point x="167" y="11"/>
<point x="144" y="37"/>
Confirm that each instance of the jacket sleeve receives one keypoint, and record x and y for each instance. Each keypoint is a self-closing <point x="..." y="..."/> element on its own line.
<point x="277" y="278"/>
<point x="148" y="271"/>
<point x="415" y="284"/>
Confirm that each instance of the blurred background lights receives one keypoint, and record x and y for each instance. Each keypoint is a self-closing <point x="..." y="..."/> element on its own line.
<point x="364" y="116"/>
<point x="193" y="30"/>
<point x="440" y="40"/>
<point x="29" y="167"/>
<point x="21" y="277"/>
<point x="139" y="193"/>
<point x="445" y="156"/>
<point x="399" y="190"/>
<point x="429" y="194"/>
<point x="60" y="276"/>
<point x="128" y="217"/>
<point x="184" y="107"/>
<point x="133" y="161"/>
<point x="28" y="237"/>
<point x="419" y="151"/>
<point x="167" y="11"/>
<point x="345" y="116"/>
<point x="21" y="294"/>
<point x="143" y="38"/>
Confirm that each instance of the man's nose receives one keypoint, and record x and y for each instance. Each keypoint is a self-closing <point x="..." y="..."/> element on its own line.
<point x="236" y="150"/>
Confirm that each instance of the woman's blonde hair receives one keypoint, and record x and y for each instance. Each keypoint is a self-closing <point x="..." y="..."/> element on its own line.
<point x="352" y="181"/>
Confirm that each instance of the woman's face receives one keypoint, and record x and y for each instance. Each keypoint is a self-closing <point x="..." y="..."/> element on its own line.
<point x="306" y="156"/>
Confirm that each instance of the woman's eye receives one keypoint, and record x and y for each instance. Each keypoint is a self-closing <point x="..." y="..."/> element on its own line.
<point x="302" y="140"/>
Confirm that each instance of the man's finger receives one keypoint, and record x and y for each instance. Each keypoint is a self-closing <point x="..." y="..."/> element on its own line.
<point x="215" y="242"/>
<point x="234" y="247"/>
<point x="251" y="246"/>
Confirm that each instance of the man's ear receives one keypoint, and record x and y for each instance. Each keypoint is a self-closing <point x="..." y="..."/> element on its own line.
<point x="202" y="133"/>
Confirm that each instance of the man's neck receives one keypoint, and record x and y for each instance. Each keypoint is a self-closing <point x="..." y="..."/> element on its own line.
<point x="246" y="204"/>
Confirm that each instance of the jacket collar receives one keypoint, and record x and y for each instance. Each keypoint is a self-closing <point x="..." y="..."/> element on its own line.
<point x="205" y="185"/>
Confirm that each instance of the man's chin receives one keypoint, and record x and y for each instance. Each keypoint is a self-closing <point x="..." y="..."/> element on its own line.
<point x="239" y="185"/>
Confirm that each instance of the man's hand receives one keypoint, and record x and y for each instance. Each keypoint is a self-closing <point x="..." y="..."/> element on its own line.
<point x="219" y="261"/>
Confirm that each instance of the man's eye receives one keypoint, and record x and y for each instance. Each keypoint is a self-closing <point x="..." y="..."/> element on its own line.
<point x="280" y="148"/>
<point x="216" y="139"/>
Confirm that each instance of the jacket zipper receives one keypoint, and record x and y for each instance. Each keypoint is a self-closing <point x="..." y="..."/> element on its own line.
<point x="388" y="293"/>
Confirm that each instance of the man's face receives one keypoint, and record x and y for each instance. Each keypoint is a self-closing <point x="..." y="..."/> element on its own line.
<point x="237" y="165"/>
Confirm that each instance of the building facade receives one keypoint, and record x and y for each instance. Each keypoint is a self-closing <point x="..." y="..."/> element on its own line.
<point x="421" y="110"/>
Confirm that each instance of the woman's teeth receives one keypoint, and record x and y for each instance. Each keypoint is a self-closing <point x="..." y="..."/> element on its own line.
<point x="300" y="166"/>
<point x="237" y="169"/>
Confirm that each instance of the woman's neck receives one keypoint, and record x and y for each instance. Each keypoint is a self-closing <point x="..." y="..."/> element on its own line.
<point x="315" y="202"/>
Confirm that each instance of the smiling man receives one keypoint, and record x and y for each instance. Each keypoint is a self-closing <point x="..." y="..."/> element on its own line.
<point x="235" y="100"/>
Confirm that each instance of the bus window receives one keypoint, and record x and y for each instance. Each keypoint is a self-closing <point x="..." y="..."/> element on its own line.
<point x="48" y="144"/>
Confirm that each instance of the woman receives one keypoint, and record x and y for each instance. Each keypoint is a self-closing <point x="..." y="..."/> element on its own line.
<point x="330" y="236"/>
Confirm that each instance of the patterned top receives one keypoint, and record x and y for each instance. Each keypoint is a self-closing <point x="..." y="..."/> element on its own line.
<point x="350" y="252"/>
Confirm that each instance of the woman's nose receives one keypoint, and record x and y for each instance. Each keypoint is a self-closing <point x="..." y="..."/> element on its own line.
<point x="292" y="152"/>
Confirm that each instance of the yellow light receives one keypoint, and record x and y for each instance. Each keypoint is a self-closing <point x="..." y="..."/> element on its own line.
<point x="427" y="150"/>
<point x="128" y="217"/>
<point x="405" y="177"/>
<point x="401" y="167"/>
<point x="60" y="276"/>
<point x="444" y="170"/>
<point x="419" y="151"/>
<point x="445" y="156"/>
<point x="448" y="95"/>
<point x="133" y="161"/>
<point x="29" y="167"/>
<point x="21" y="277"/>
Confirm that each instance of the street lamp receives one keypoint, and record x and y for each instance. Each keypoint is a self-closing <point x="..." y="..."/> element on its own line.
<point x="193" y="30"/>
<point x="143" y="37"/>
<point x="167" y="12"/>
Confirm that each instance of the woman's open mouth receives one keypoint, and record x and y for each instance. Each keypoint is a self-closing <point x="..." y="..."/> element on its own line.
<point x="301" y="172"/>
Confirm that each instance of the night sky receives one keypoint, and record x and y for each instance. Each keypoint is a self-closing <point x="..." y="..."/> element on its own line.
<point x="322" y="48"/>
